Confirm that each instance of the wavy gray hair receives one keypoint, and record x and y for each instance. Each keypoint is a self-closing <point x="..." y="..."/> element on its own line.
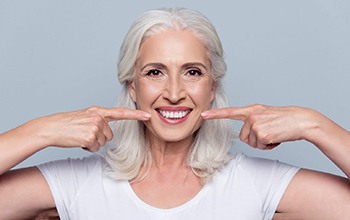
<point x="210" y="149"/>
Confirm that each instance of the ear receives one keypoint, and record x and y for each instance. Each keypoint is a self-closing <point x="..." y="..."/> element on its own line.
<point x="213" y="90"/>
<point x="132" y="91"/>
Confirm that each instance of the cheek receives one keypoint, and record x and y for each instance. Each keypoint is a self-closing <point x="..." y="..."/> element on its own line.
<point x="146" y="95"/>
<point x="201" y="94"/>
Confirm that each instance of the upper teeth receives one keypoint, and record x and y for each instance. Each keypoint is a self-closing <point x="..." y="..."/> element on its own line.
<point x="172" y="114"/>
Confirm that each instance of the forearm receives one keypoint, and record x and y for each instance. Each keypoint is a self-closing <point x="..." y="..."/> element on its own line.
<point x="333" y="141"/>
<point x="18" y="144"/>
<point x="87" y="128"/>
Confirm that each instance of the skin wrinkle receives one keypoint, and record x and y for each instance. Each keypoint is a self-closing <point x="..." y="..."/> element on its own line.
<point x="177" y="61"/>
<point x="163" y="80"/>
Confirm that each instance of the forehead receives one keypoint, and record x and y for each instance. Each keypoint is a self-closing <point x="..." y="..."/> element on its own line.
<point x="177" y="46"/>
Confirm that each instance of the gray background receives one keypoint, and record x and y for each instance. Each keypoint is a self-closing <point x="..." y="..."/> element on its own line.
<point x="61" y="55"/>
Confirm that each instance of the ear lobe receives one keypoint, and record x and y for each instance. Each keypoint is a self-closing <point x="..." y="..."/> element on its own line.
<point x="132" y="92"/>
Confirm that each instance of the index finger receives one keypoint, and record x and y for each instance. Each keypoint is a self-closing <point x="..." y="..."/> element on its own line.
<point x="113" y="114"/>
<point x="236" y="113"/>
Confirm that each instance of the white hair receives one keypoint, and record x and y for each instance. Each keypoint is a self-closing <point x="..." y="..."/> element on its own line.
<point x="130" y="150"/>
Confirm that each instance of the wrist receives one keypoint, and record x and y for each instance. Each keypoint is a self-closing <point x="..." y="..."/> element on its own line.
<point x="323" y="132"/>
<point x="314" y="127"/>
<point x="34" y="132"/>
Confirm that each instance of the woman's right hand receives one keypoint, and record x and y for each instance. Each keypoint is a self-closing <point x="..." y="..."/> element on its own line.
<point x="87" y="128"/>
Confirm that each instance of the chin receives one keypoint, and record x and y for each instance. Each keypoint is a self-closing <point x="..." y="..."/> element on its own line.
<point x="175" y="138"/>
<point x="171" y="135"/>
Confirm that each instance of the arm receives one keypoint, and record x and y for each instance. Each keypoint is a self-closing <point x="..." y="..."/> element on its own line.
<point x="316" y="195"/>
<point x="311" y="194"/>
<point x="25" y="192"/>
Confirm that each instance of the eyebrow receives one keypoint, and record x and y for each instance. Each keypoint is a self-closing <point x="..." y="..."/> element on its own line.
<point x="184" y="66"/>
<point x="157" y="65"/>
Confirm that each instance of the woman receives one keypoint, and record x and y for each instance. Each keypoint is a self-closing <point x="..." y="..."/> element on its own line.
<point x="171" y="156"/>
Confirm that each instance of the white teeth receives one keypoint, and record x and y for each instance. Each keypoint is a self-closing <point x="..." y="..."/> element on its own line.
<point x="174" y="115"/>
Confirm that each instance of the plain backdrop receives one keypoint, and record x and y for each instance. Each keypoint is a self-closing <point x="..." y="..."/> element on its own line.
<point x="58" y="56"/>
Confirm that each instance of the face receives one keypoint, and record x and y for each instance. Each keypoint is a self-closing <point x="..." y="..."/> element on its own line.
<point x="173" y="83"/>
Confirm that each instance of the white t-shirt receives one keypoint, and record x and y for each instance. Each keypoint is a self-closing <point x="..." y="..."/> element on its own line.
<point x="245" y="189"/>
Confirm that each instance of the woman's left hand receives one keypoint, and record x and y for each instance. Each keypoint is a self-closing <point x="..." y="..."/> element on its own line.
<point x="265" y="127"/>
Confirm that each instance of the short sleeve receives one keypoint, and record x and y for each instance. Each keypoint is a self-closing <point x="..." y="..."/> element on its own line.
<point x="66" y="177"/>
<point x="271" y="178"/>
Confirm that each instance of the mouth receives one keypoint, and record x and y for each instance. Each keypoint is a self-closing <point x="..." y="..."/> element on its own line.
<point x="173" y="115"/>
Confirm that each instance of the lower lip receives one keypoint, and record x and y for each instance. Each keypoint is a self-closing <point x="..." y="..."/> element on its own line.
<point x="173" y="121"/>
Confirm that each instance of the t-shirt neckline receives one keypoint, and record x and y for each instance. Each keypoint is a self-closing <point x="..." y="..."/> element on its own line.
<point x="149" y="207"/>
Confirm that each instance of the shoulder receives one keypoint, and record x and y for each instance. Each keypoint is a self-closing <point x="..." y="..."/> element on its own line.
<point x="85" y="162"/>
<point x="256" y="165"/>
<point x="73" y="169"/>
<point x="259" y="183"/>
<point x="67" y="178"/>
<point x="260" y="173"/>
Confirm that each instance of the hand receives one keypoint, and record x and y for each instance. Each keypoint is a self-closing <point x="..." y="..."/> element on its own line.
<point x="265" y="127"/>
<point x="86" y="128"/>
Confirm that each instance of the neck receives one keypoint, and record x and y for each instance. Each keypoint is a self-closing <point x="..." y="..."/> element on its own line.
<point x="170" y="154"/>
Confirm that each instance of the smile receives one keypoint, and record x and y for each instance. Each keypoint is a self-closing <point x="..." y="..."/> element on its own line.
<point x="174" y="114"/>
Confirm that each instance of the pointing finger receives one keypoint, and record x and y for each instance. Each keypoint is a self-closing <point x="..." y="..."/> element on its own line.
<point x="112" y="114"/>
<point x="236" y="113"/>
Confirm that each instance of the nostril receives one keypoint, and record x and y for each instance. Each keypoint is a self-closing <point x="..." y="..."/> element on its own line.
<point x="174" y="97"/>
<point x="174" y="90"/>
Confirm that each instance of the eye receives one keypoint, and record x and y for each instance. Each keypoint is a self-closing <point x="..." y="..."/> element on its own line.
<point x="194" y="72"/>
<point x="153" y="72"/>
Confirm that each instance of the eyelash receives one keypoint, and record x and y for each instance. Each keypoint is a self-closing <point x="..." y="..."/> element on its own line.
<point x="153" y="72"/>
<point x="196" y="72"/>
<point x="189" y="72"/>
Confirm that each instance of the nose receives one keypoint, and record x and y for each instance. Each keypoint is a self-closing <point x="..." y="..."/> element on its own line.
<point x="174" y="90"/>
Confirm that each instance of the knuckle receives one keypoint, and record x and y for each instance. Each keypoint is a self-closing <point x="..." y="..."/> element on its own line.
<point x="94" y="130"/>
<point x="92" y="109"/>
<point x="259" y="107"/>
<point x="252" y="119"/>
<point x="265" y="139"/>
<point x="243" y="138"/>
<point x="87" y="142"/>
<point x="95" y="147"/>
<point x="103" y="142"/>
<point x="254" y="126"/>
<point x="109" y="136"/>
<point x="97" y="120"/>
<point x="90" y="139"/>
<point x="261" y="146"/>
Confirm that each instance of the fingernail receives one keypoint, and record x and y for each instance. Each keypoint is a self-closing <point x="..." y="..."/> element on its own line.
<point x="204" y="114"/>
<point x="146" y="115"/>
